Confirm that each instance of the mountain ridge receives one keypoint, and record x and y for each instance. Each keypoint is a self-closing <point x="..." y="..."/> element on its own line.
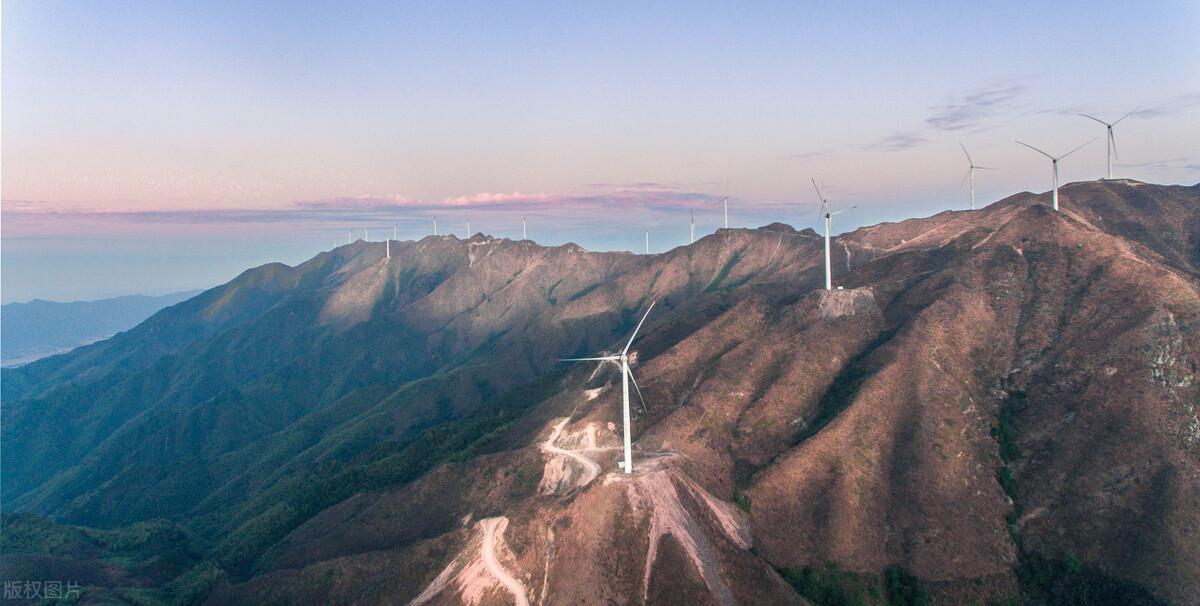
<point x="909" y="409"/>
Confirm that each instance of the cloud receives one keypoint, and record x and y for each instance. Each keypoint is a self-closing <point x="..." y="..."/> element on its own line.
<point x="1171" y="164"/>
<point x="358" y="202"/>
<point x="975" y="108"/>
<point x="1177" y="105"/>
<point x="1073" y="110"/>
<point x="806" y="155"/>
<point x="633" y="196"/>
<point x="897" y="142"/>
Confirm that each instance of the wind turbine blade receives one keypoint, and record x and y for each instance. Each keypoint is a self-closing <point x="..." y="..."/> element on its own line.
<point x="969" y="160"/>
<point x="964" y="179"/>
<point x="1113" y="140"/>
<point x="636" y="329"/>
<point x="603" y="359"/>
<point x="1133" y="111"/>
<point x="819" y="196"/>
<point x="638" y="390"/>
<point x="1075" y="150"/>
<point x="1097" y="119"/>
<point x="838" y="212"/>
<point x="986" y="168"/>
<point x="1036" y="150"/>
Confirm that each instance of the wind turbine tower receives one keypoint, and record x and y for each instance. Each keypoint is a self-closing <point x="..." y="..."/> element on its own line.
<point x="524" y="228"/>
<point x="647" y="241"/>
<point x="971" y="168"/>
<point x="1054" y="162"/>
<point x="435" y="226"/>
<point x="468" y="230"/>
<point x="693" y="228"/>
<point x="827" y="215"/>
<point x="626" y="379"/>
<point x="1110" y="141"/>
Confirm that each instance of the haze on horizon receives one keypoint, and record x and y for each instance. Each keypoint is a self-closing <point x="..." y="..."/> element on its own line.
<point x="151" y="147"/>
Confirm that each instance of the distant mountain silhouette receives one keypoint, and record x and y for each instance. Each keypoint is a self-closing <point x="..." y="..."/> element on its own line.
<point x="1001" y="406"/>
<point x="39" y="328"/>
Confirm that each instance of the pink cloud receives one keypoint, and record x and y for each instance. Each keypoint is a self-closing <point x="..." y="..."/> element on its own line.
<point x="650" y="197"/>
<point x="486" y="199"/>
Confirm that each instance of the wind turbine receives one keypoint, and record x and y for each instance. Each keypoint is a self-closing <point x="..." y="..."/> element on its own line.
<point x="388" y="247"/>
<point x="828" y="216"/>
<point x="647" y="241"/>
<point x="971" y="173"/>
<point x="524" y="229"/>
<point x="693" y="227"/>
<point x="435" y="226"/>
<point x="1054" y="161"/>
<point x="468" y="230"/>
<point x="626" y="379"/>
<point x="1110" y="142"/>
<point x="366" y="237"/>
<point x="725" y="202"/>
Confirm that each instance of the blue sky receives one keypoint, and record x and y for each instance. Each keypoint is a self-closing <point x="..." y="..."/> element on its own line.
<point x="150" y="147"/>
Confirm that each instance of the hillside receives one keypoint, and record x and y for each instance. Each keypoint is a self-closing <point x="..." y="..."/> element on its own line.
<point x="1001" y="402"/>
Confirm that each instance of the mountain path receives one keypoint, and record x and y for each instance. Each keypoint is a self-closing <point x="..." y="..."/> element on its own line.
<point x="591" y="469"/>
<point x="474" y="574"/>
<point x="488" y="552"/>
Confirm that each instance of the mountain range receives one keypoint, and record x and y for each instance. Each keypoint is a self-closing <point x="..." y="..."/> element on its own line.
<point x="995" y="406"/>
<point x="39" y="328"/>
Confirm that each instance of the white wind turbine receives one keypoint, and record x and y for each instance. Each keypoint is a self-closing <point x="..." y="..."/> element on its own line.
<point x="435" y="226"/>
<point x="828" y="216"/>
<point x="971" y="173"/>
<point x="524" y="228"/>
<point x="693" y="228"/>
<point x="1111" y="142"/>
<point x="468" y="230"/>
<point x="725" y="203"/>
<point x="647" y="241"/>
<point x="1054" y="161"/>
<point x="626" y="379"/>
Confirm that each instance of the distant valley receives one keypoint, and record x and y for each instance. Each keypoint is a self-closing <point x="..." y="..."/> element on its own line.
<point x="36" y="329"/>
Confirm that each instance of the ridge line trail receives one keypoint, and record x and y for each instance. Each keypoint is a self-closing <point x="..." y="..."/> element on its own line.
<point x="488" y="553"/>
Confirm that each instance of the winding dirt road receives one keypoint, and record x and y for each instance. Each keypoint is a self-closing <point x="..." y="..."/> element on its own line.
<point x="471" y="575"/>
<point x="591" y="469"/>
<point x="488" y="553"/>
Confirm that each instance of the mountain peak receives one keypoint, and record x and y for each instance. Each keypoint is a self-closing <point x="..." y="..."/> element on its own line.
<point x="779" y="227"/>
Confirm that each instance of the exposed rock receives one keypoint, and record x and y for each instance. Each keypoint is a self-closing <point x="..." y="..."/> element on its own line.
<point x="840" y="303"/>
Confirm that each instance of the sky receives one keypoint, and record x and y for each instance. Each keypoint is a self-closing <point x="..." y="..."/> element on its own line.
<point x="148" y="147"/>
